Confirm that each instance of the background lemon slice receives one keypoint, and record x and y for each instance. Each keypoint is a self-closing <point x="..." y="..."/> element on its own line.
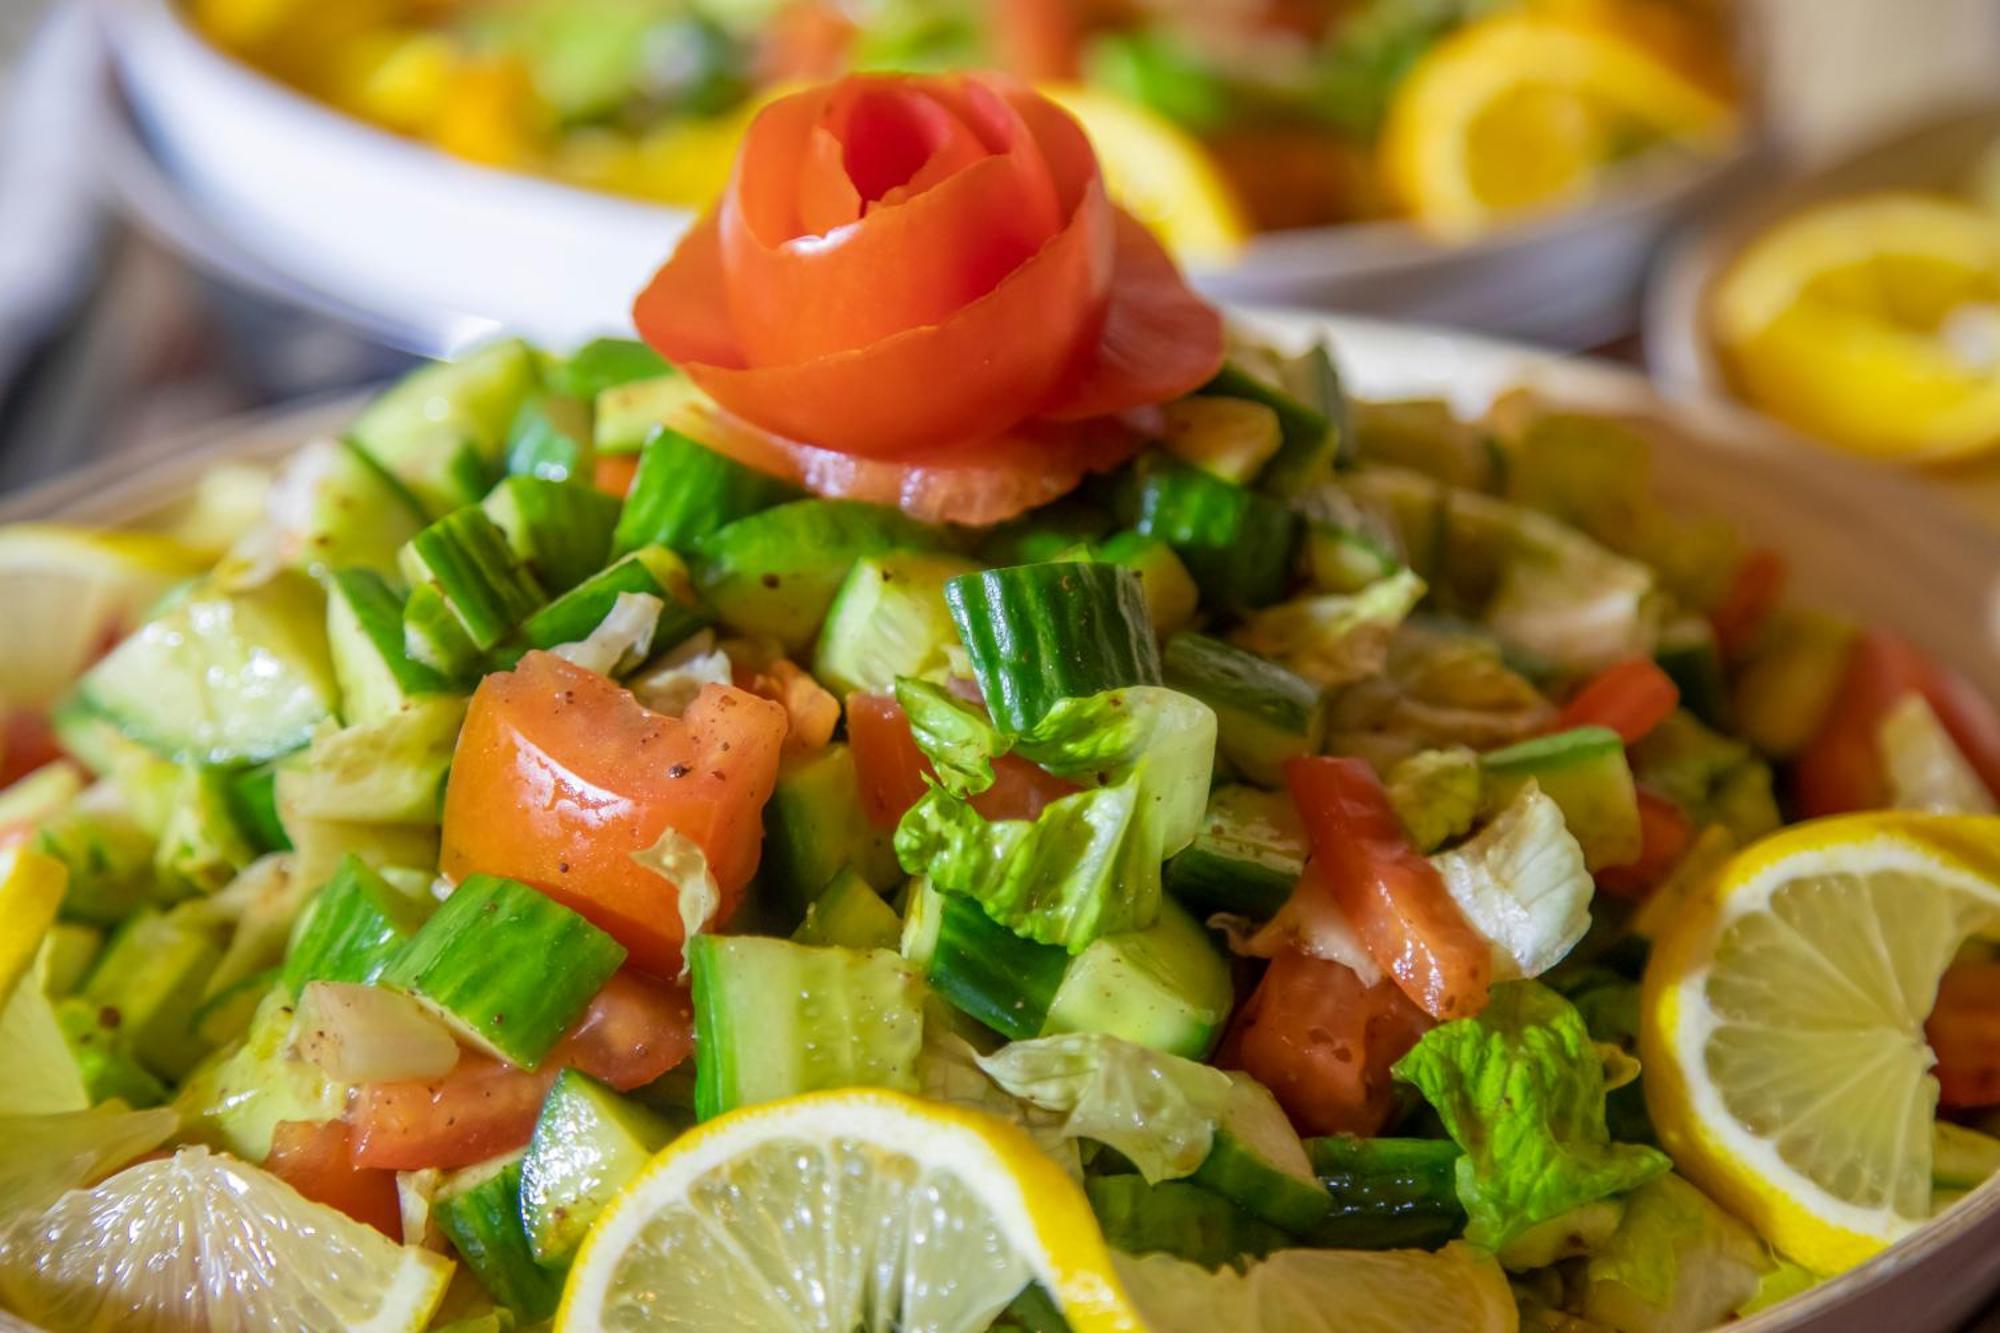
<point x="1459" y="1289"/>
<point x="1872" y="323"/>
<point x="1782" y="1035"/>
<point x="840" y="1210"/>
<point x="1523" y="110"/>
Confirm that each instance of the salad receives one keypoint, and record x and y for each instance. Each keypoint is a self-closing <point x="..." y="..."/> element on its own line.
<point x="943" y="789"/>
<point x="1218" y="120"/>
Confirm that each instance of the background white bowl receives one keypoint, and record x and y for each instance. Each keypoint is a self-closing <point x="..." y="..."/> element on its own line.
<point x="438" y="251"/>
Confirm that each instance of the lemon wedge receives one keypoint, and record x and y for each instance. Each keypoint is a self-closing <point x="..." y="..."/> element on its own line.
<point x="31" y="889"/>
<point x="1459" y="1289"/>
<point x="1524" y="110"/>
<point x="68" y="591"/>
<point x="852" y="1209"/>
<point x="1872" y="323"/>
<point x="1160" y="174"/>
<point x="201" y="1240"/>
<point x="42" y="1156"/>
<point x="1783" y="1025"/>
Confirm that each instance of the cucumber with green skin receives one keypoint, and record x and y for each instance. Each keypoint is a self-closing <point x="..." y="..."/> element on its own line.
<point x="1167" y="987"/>
<point x="684" y="492"/>
<point x="988" y="972"/>
<point x="470" y="400"/>
<point x="480" y="963"/>
<point x="1236" y="542"/>
<point x="479" y="1211"/>
<point x="774" y="1019"/>
<point x="630" y="414"/>
<point x="1171" y="597"/>
<point x="889" y="620"/>
<point x="606" y="363"/>
<point x="1586" y="773"/>
<point x="223" y="677"/>
<point x="814" y="826"/>
<point x="252" y="794"/>
<point x="1257" y="1162"/>
<point x="354" y="927"/>
<point x="202" y="847"/>
<point x="1247" y="856"/>
<point x="1038" y="634"/>
<point x="467" y="559"/>
<point x="775" y="572"/>
<point x="652" y="570"/>
<point x="364" y="630"/>
<point x="1227" y="437"/>
<point x="1387" y="1193"/>
<point x="850" y="913"/>
<point x="1264" y="714"/>
<point x="153" y="973"/>
<point x="356" y="513"/>
<point x="561" y="530"/>
<point x="1180" y="1218"/>
<point x="1309" y="444"/>
<point x="97" y="1041"/>
<point x="588" y="1142"/>
<point x="436" y="639"/>
<point x="550" y="439"/>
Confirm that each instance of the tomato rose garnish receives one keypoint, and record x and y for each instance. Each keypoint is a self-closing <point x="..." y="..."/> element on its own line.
<point x="925" y="274"/>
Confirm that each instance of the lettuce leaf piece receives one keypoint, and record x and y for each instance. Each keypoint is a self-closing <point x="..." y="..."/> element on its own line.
<point x="1159" y="1110"/>
<point x="1677" y="1263"/>
<point x="1089" y="864"/>
<point x="1925" y="767"/>
<point x="959" y="740"/>
<point x="671" y="684"/>
<point x="1521" y="882"/>
<point x="1334" y="639"/>
<point x="1567" y="601"/>
<point x="389" y="771"/>
<point x="621" y="640"/>
<point x="1442" y="687"/>
<point x="1437" y="795"/>
<point x="948" y="1070"/>
<point x="1520" y="1087"/>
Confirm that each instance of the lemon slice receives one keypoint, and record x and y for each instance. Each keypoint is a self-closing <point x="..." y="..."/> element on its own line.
<point x="1457" y="1290"/>
<point x="68" y="591"/>
<point x="41" y="1156"/>
<point x="1783" y="1027"/>
<point x="1523" y="110"/>
<point x="1160" y="174"/>
<point x="31" y="889"/>
<point x="200" y="1240"/>
<point x="844" y="1210"/>
<point x="1872" y="323"/>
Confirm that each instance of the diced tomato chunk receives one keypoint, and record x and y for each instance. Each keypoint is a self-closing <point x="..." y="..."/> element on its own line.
<point x="1631" y="698"/>
<point x="27" y="742"/>
<point x="635" y="1030"/>
<point x="482" y="1108"/>
<point x="893" y="771"/>
<point x="1753" y="594"/>
<point x="613" y="473"/>
<point x="561" y="777"/>
<point x="315" y="1160"/>
<point x="1395" y="899"/>
<point x="1964" y="1033"/>
<point x="1322" y="1042"/>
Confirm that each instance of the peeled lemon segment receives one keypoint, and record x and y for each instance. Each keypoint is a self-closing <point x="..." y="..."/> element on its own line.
<point x="41" y="1156"/>
<point x="843" y="1210"/>
<point x="1783" y="1036"/>
<point x="1457" y="1290"/>
<point x="200" y="1240"/>
<point x="1161" y="174"/>
<point x="1872" y="323"/>
<point x="1524" y="111"/>
<point x="67" y="592"/>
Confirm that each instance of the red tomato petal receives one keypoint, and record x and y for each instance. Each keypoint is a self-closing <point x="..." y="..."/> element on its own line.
<point x="1631" y="698"/>
<point x="684" y="311"/>
<point x="635" y="1030"/>
<point x="1964" y="1033"/>
<point x="1160" y="340"/>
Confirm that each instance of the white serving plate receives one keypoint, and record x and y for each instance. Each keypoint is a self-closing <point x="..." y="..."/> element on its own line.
<point x="410" y="239"/>
<point x="1865" y="541"/>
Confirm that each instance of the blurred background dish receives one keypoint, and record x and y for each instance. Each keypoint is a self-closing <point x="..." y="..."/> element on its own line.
<point x="1504" y="164"/>
<point x="1858" y="302"/>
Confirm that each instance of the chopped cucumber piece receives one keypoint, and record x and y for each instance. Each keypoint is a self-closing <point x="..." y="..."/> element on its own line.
<point x="223" y="678"/>
<point x="560" y="529"/>
<point x="775" y="572"/>
<point x="71" y="949"/>
<point x="850" y="913"/>
<point x="1235" y="542"/>
<point x="364" y="630"/>
<point x="352" y="930"/>
<point x="1962" y="1158"/>
<point x="253" y="801"/>
<point x="341" y="508"/>
<point x="481" y="963"/>
<point x="1264" y="714"/>
<point x="652" y="570"/>
<point x="1585" y="772"/>
<point x="152" y="974"/>
<point x="109" y="858"/>
<point x="442" y="427"/>
<point x="1784" y="691"/>
<point x="1345" y="559"/>
<point x="390" y="771"/>
<point x="1691" y="659"/>
<point x="435" y="638"/>
<point x="588" y="1142"/>
<point x="606" y="363"/>
<point x="1230" y="438"/>
<point x="1257" y="1162"/>
<point x="684" y="493"/>
<point x="236" y="1101"/>
<point x="1044" y="534"/>
<point x="466" y="559"/>
<point x="1167" y="987"/>
<point x="1037" y="634"/>
<point x="630" y="414"/>
<point x="550" y="439"/>
<point x="1425" y="435"/>
<point x="889" y="619"/>
<point x="1387" y="1194"/>
<point x="987" y="971"/>
<point x="1250" y="851"/>
<point x="1180" y="1218"/>
<point x="1171" y="597"/>
<point x="479" y="1211"/>
<point x="226" y="1014"/>
<point x="814" y="827"/>
<point x="97" y="1042"/>
<point x="1308" y="442"/>
<point x="774" y="1019"/>
<point x="202" y="847"/>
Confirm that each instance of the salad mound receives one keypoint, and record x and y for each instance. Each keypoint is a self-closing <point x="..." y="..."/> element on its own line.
<point x="1223" y="885"/>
